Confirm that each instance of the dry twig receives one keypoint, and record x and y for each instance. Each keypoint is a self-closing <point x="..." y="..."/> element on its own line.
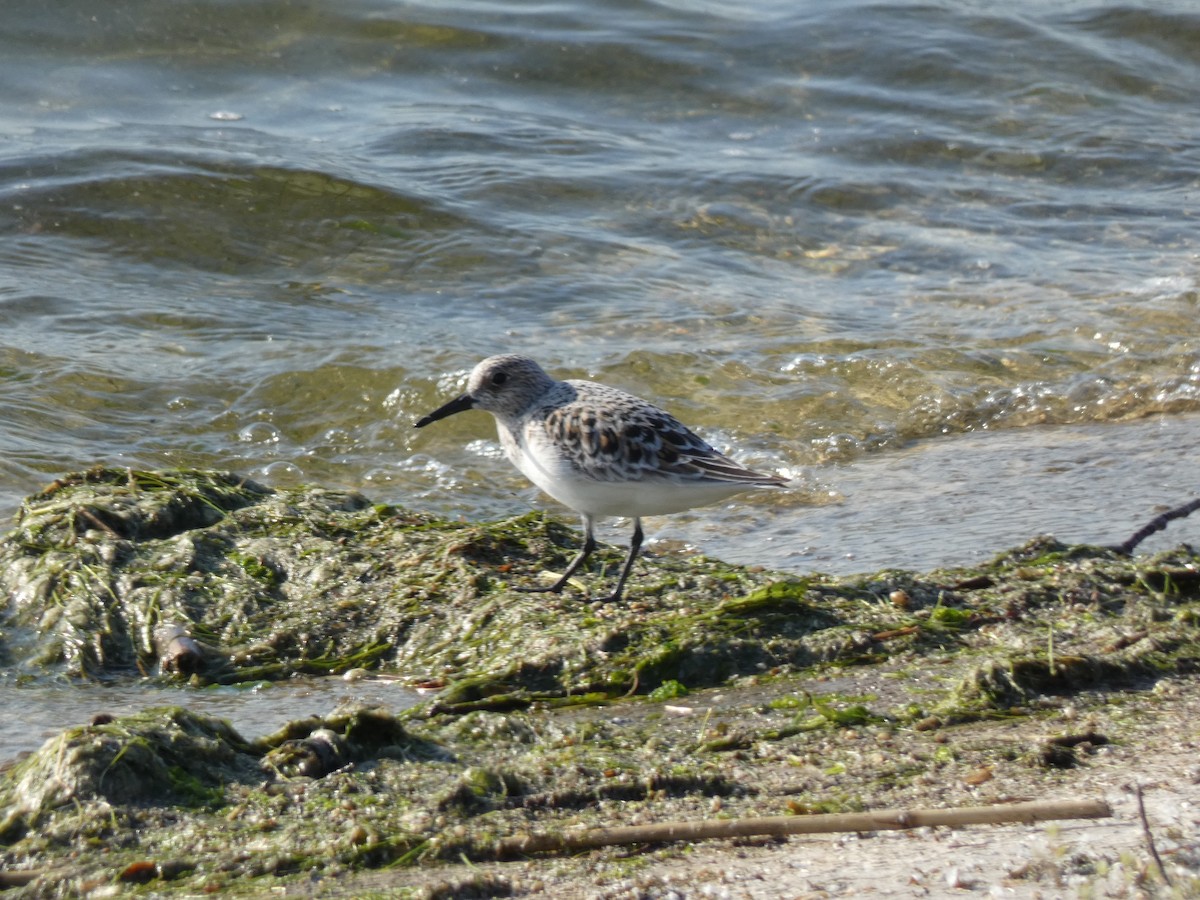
<point x="1137" y="792"/>
<point x="1035" y="811"/>
<point x="1158" y="523"/>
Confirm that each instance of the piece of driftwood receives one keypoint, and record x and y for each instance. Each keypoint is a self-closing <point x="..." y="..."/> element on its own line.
<point x="1158" y="523"/>
<point x="773" y="826"/>
<point x="16" y="878"/>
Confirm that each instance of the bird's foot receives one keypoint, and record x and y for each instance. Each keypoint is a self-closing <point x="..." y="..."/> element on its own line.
<point x="561" y="581"/>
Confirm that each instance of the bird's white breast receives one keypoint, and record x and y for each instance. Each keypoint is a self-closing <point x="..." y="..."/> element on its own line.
<point x="530" y="449"/>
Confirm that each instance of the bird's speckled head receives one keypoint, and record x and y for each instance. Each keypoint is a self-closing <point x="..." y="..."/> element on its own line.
<point x="506" y="386"/>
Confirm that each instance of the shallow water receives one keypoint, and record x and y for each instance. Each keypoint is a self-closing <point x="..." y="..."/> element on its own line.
<point x="906" y="253"/>
<point x="959" y="501"/>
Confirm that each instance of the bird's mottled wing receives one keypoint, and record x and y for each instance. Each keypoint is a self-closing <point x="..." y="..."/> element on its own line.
<point x="626" y="439"/>
<point x="685" y="455"/>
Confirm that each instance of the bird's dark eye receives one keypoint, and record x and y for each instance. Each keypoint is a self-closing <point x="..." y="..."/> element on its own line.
<point x="499" y="378"/>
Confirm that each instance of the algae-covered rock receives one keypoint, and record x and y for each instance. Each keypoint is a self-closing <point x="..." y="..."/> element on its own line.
<point x="99" y="561"/>
<point x="210" y="576"/>
<point x="167" y="783"/>
<point x="161" y="756"/>
<point x="319" y="745"/>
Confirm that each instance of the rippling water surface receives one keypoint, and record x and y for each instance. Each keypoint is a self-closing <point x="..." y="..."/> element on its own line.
<point x="862" y="244"/>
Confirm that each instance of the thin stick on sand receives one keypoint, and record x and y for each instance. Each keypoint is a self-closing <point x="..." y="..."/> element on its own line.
<point x="774" y="826"/>
<point x="1162" y="870"/>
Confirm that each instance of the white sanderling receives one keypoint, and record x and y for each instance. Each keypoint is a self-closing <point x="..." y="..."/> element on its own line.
<point x="598" y="450"/>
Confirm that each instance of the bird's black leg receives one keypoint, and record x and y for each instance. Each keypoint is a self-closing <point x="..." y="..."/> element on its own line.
<point x="589" y="544"/>
<point x="635" y="544"/>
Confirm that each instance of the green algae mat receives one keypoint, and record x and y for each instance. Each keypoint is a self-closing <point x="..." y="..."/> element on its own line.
<point x="210" y="578"/>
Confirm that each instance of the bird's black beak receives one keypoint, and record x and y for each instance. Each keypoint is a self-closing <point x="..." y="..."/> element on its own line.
<point x="457" y="405"/>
